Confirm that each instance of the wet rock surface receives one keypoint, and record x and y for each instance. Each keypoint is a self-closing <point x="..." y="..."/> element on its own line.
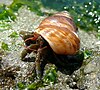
<point x="13" y="70"/>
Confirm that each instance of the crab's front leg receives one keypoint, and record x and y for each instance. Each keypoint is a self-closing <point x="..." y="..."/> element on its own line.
<point x="39" y="62"/>
<point x="28" y="50"/>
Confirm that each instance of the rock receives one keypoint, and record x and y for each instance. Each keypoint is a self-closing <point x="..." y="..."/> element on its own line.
<point x="86" y="77"/>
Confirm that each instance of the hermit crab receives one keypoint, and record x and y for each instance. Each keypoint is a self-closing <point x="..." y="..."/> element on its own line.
<point x="55" y="34"/>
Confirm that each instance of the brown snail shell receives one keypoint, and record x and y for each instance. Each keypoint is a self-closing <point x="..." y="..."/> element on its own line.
<point x="59" y="31"/>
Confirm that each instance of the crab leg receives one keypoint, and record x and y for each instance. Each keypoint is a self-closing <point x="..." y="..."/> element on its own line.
<point x="29" y="49"/>
<point x="39" y="62"/>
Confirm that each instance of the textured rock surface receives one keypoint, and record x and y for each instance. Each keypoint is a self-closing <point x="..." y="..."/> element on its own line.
<point x="87" y="77"/>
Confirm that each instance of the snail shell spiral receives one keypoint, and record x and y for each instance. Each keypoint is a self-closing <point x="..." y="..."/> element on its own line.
<point x="59" y="31"/>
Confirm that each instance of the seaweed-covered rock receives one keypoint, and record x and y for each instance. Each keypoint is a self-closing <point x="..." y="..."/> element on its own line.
<point x="85" y="77"/>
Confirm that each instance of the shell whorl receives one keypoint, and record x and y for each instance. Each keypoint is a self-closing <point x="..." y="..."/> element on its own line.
<point x="59" y="31"/>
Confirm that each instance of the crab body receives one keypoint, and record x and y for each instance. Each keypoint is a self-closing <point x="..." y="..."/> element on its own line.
<point x="56" y="33"/>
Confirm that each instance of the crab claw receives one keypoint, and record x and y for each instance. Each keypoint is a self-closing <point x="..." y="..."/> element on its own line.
<point x="29" y="49"/>
<point x="27" y="37"/>
<point x="23" y="54"/>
